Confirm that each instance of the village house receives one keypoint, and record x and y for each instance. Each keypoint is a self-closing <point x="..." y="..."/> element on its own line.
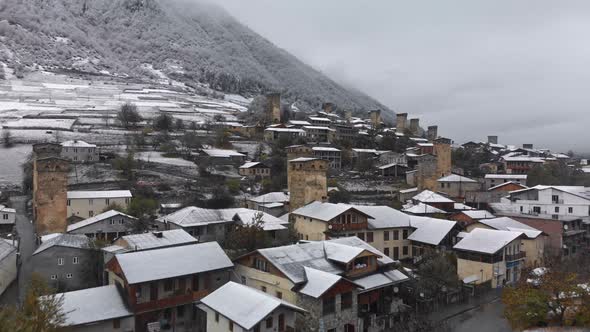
<point x="488" y="256"/>
<point x="222" y="157"/>
<point x="95" y="309"/>
<point x="507" y="187"/>
<point x="255" y="311"/>
<point x="344" y="283"/>
<point x="533" y="240"/>
<point x="274" y="203"/>
<point x="214" y="224"/>
<point x="7" y="219"/>
<point x="67" y="262"/>
<point x="105" y="226"/>
<point x="394" y="170"/>
<point x="298" y="123"/>
<point x="422" y="209"/>
<point x="456" y="185"/>
<point x="332" y="155"/>
<point x="319" y="121"/>
<point x="319" y="134"/>
<point x="155" y="240"/>
<point x="434" y="199"/>
<point x="547" y="201"/>
<point x="79" y="152"/>
<point x="492" y="180"/>
<point x="468" y="217"/>
<point x="254" y="169"/>
<point x="345" y="132"/>
<point x="8" y="267"/>
<point x="521" y="164"/>
<point x="86" y="204"/>
<point x="163" y="297"/>
<point x="274" y="134"/>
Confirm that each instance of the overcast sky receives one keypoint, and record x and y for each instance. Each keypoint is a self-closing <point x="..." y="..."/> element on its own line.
<point x="517" y="69"/>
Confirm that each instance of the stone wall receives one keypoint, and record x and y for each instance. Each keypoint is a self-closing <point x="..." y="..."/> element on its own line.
<point x="50" y="182"/>
<point x="337" y="320"/>
<point x="307" y="182"/>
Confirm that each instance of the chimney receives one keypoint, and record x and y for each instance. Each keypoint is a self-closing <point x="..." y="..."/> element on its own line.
<point x="400" y="122"/>
<point x="414" y="125"/>
<point x="432" y="133"/>
<point x="493" y="139"/>
<point x="328" y="107"/>
<point x="527" y="146"/>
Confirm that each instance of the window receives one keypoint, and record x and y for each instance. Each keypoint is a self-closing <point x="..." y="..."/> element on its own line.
<point x="386" y="252"/>
<point x="570" y="210"/>
<point x="5" y="216"/>
<point x="90" y="213"/>
<point x="120" y="221"/>
<point x="263" y="288"/>
<point x="54" y="277"/>
<point x="369" y="237"/>
<point x="555" y="198"/>
<point x="346" y="301"/>
<point x="386" y="236"/>
<point x="107" y="201"/>
<point x="279" y="295"/>
<point x="60" y="261"/>
<point x="168" y="285"/>
<point x="395" y="253"/>
<point x="405" y="251"/>
<point x="521" y="208"/>
<point x="217" y="317"/>
<point x="329" y="305"/>
<point x="69" y="276"/>
<point x="69" y="202"/>
<point x="243" y="280"/>
<point x="75" y="260"/>
<point x="126" y="200"/>
<point x="361" y="236"/>
<point x="257" y="327"/>
<point x="116" y="323"/>
<point x="268" y="323"/>
<point x="395" y="235"/>
<point x="260" y="264"/>
<point x="536" y="209"/>
<point x="111" y="222"/>
<point x="405" y="235"/>
<point x="231" y="325"/>
<point x="557" y="209"/>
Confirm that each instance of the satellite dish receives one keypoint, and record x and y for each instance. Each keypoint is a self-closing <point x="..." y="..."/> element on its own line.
<point x="565" y="227"/>
<point x="329" y="226"/>
<point x="395" y="289"/>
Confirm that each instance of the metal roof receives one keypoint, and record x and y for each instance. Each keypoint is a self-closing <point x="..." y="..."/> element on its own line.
<point x="487" y="241"/>
<point x="151" y="240"/>
<point x="97" y="218"/>
<point x="65" y="240"/>
<point x="99" y="194"/>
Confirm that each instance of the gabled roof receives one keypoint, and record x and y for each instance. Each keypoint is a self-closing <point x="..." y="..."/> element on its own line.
<point x="506" y="176"/>
<point x="427" y="196"/>
<point x="194" y="216"/>
<point x="77" y="144"/>
<point x="507" y="183"/>
<point x="478" y="214"/>
<point x="99" y="194"/>
<point x="456" y="178"/>
<point x="164" y="263"/>
<point x="6" y="249"/>
<point x="487" y="241"/>
<point x="325" y="148"/>
<point x="97" y="218"/>
<point x="65" y="240"/>
<point x="272" y="197"/>
<point x="325" y="211"/>
<point x="422" y="208"/>
<point x="251" y="164"/>
<point x="269" y="222"/>
<point x="243" y="305"/>
<point x="93" y="305"/>
<point x="341" y="253"/>
<point x="430" y="230"/>
<point x="461" y="206"/>
<point x="379" y="280"/>
<point x="509" y="224"/>
<point x="384" y="216"/>
<point x="151" y="240"/>
<point x="318" y="282"/>
<point x="222" y="153"/>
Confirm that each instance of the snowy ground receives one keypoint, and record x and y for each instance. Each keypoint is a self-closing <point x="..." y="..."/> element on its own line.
<point x="157" y="157"/>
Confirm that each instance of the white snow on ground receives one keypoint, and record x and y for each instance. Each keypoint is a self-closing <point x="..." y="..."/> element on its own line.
<point x="157" y="157"/>
<point x="63" y="124"/>
<point x="64" y="86"/>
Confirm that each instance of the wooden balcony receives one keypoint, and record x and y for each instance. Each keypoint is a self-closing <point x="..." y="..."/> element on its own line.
<point x="171" y="301"/>
<point x="347" y="227"/>
<point x="515" y="257"/>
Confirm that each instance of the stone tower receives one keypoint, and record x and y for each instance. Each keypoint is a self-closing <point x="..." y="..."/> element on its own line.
<point x="400" y="122"/>
<point x="442" y="151"/>
<point x="493" y="139"/>
<point x="328" y="108"/>
<point x="414" y="126"/>
<point x="432" y="133"/>
<point x="375" y="117"/>
<point x="307" y="181"/>
<point x="274" y="107"/>
<point x="50" y="189"/>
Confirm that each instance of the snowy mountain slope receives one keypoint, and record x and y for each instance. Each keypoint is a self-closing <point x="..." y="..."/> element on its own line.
<point x="196" y="43"/>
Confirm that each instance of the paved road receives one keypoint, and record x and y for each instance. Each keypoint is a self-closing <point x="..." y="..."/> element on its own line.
<point x="487" y="317"/>
<point x="15" y="293"/>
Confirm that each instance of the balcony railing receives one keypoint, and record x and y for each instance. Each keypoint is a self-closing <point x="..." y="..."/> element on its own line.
<point x="171" y="301"/>
<point x="515" y="257"/>
<point x="347" y="227"/>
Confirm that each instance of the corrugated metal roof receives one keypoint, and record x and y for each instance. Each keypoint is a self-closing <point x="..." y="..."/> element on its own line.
<point x="99" y="194"/>
<point x="487" y="241"/>
<point x="66" y="240"/>
<point x="97" y="218"/>
<point x="150" y="240"/>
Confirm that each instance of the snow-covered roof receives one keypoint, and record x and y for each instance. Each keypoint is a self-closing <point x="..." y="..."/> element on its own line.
<point x="315" y="118"/>
<point x="243" y="305"/>
<point x="456" y="178"/>
<point x="93" y="305"/>
<point x="478" y="214"/>
<point x="384" y="216"/>
<point x="6" y="249"/>
<point x="77" y="144"/>
<point x="292" y="259"/>
<point x="195" y="216"/>
<point x="461" y="206"/>
<point x="318" y="128"/>
<point x="323" y="211"/>
<point x="421" y="208"/>
<point x="251" y="164"/>
<point x="487" y="241"/>
<point x="222" y="153"/>
<point x="507" y="183"/>
<point x="299" y="122"/>
<point x="318" y="282"/>
<point x="152" y="240"/>
<point x="340" y="252"/>
<point x="65" y="240"/>
<point x="427" y="196"/>
<point x="164" y="263"/>
<point x="407" y="191"/>
<point x="302" y="159"/>
<point x="272" y="197"/>
<point x="96" y="218"/>
<point x="524" y="159"/>
<point x="506" y="176"/>
<point x="430" y="230"/>
<point x="269" y="222"/>
<point x="391" y="165"/>
<point x="286" y="130"/>
<point x="364" y="150"/>
<point x="509" y="224"/>
<point x="99" y="194"/>
<point x="379" y="280"/>
<point x="325" y="148"/>
<point x="5" y="209"/>
<point x="580" y="191"/>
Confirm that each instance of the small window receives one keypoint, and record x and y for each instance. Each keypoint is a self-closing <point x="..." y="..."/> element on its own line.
<point x="217" y="317"/>
<point x="557" y="209"/>
<point x="75" y="260"/>
<point x="405" y="251"/>
<point x="269" y="323"/>
<point x="361" y="236"/>
<point x="346" y="301"/>
<point x="279" y="295"/>
<point x="386" y="252"/>
<point x="120" y="221"/>
<point x="329" y="305"/>
<point x="369" y="237"/>
<point x="69" y="276"/>
<point x="69" y="203"/>
<point x="107" y="201"/>
<point x="168" y="283"/>
<point x="570" y="209"/>
<point x="263" y="288"/>
<point x="521" y="208"/>
<point x="116" y="323"/>
<point x="386" y="236"/>
<point x="60" y="261"/>
<point x="54" y="277"/>
<point x="395" y="235"/>
<point x="5" y="216"/>
<point x="90" y="213"/>
<point x="405" y="234"/>
<point x="111" y="222"/>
